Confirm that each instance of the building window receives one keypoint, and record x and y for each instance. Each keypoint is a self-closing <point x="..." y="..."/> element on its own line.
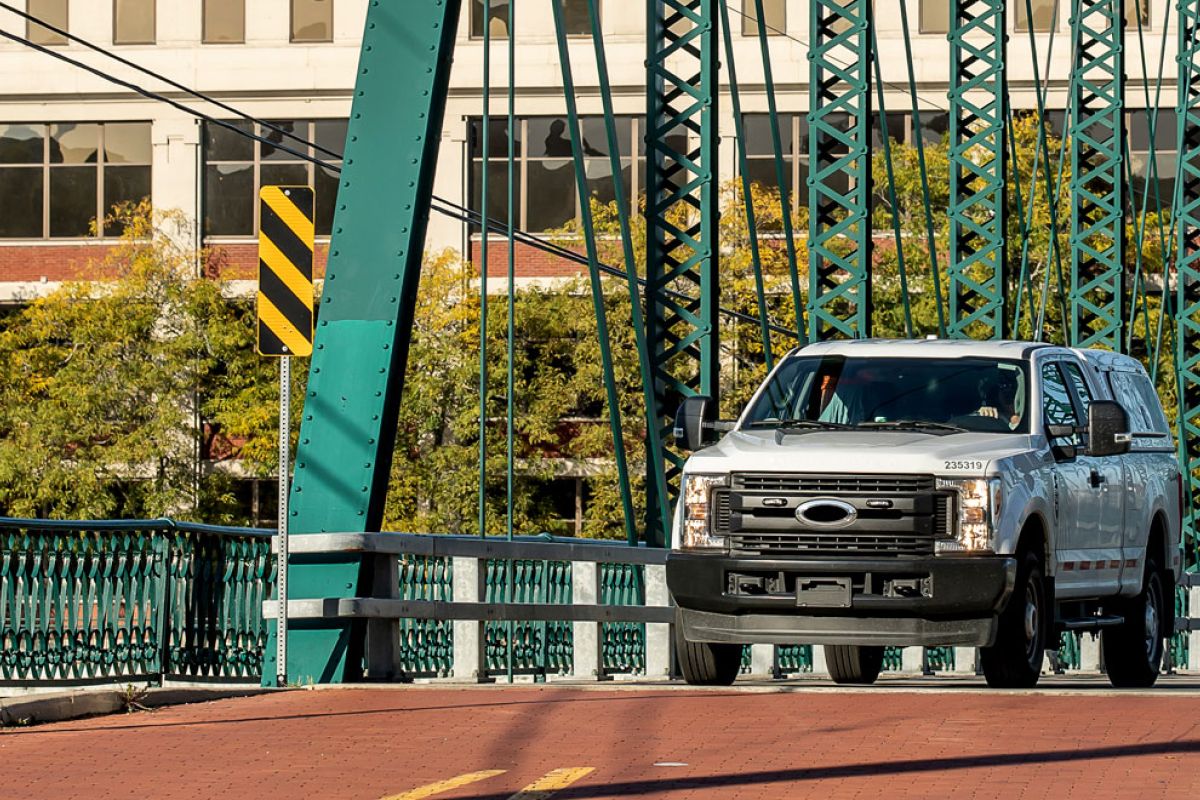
<point x="236" y="167"/>
<point x="52" y="12"/>
<point x="224" y="21"/>
<point x="312" y="20"/>
<point x="1143" y="7"/>
<point x="497" y="18"/>
<point x="935" y="16"/>
<point x="58" y="180"/>
<point x="774" y="12"/>
<point x="1166" y="155"/>
<point x="133" y="21"/>
<point x="544" y="173"/>
<point x="1044" y="12"/>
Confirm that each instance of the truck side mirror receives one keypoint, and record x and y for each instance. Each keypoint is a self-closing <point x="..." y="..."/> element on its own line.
<point x="694" y="422"/>
<point x="1108" y="429"/>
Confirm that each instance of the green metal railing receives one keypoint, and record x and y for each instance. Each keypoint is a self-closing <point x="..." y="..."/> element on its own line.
<point x="99" y="601"/>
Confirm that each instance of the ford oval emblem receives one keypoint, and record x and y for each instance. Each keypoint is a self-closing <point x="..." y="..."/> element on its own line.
<point x="826" y="512"/>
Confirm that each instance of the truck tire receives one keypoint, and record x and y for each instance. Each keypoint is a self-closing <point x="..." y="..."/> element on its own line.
<point x="1015" y="660"/>
<point x="707" y="663"/>
<point x="851" y="663"/>
<point x="1133" y="650"/>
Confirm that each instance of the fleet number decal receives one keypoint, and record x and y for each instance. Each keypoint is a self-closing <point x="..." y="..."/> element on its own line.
<point x="963" y="465"/>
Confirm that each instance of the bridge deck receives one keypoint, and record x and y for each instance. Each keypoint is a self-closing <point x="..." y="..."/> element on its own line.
<point x="905" y="738"/>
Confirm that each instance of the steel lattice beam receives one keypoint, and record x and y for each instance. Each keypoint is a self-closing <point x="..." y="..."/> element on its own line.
<point x="1097" y="188"/>
<point x="1187" y="210"/>
<point x="839" y="182"/>
<point x="978" y="111"/>
<point x="681" y="221"/>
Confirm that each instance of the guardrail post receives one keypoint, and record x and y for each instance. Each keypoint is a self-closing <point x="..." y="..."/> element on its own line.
<point x="762" y="660"/>
<point x="1193" y="661"/>
<point x="1089" y="652"/>
<point x="586" y="637"/>
<point x="912" y="660"/>
<point x="383" y="635"/>
<point x="470" y="652"/>
<point x="660" y="644"/>
<point x="819" y="665"/>
<point x="965" y="659"/>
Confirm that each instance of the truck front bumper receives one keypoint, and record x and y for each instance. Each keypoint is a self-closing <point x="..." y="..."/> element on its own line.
<point x="928" y="601"/>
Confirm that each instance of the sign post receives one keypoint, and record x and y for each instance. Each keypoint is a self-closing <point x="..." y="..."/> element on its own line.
<point x="285" y="329"/>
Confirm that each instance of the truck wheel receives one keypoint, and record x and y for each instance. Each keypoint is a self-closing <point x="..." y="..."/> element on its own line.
<point x="707" y="663"/>
<point x="852" y="663"/>
<point x="1015" y="660"/>
<point x="1133" y="651"/>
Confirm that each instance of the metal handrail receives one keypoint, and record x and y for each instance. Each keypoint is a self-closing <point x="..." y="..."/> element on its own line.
<point x="492" y="547"/>
<point x="131" y="525"/>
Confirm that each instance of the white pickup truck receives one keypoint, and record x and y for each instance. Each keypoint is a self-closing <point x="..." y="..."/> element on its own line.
<point x="934" y="492"/>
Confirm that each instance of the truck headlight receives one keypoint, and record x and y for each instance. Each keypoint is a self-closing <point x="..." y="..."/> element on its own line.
<point x="697" y="512"/>
<point x="979" y="502"/>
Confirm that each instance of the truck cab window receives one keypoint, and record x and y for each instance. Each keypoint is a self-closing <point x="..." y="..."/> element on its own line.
<point x="1057" y="408"/>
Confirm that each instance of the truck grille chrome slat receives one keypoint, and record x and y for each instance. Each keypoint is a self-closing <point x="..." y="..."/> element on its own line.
<point x="920" y="515"/>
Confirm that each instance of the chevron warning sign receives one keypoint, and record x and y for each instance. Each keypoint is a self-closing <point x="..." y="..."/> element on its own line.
<point x="285" y="271"/>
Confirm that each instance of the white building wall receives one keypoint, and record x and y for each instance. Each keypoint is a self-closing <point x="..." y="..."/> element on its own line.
<point x="270" y="78"/>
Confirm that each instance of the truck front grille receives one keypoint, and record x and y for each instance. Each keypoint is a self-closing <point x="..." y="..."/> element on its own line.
<point x="898" y="515"/>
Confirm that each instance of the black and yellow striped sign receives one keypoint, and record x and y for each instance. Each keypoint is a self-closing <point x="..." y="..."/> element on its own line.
<point x="285" y="271"/>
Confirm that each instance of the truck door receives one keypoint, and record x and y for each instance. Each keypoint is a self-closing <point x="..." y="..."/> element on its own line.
<point x="1099" y="544"/>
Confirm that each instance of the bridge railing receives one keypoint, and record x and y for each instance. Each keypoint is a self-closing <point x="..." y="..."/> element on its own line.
<point x="580" y="607"/>
<point x="106" y="601"/>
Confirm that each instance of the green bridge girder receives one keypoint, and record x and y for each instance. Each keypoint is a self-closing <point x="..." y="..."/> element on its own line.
<point x="1098" y="191"/>
<point x="1187" y="211"/>
<point x="839" y="183"/>
<point x="361" y="341"/>
<point x="682" y="335"/>
<point x="978" y="177"/>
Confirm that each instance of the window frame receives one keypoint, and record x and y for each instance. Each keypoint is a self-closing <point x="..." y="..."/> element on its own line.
<point x="204" y="40"/>
<point x="45" y="168"/>
<point x="52" y="39"/>
<point x="486" y="5"/>
<point x="522" y="159"/>
<point x="771" y="30"/>
<point x="308" y="133"/>
<point x="292" y="25"/>
<point x="118" y="42"/>
<point x="1020" y="7"/>
<point x="921" y="20"/>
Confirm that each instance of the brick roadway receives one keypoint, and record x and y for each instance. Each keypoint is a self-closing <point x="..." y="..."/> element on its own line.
<point x="898" y="741"/>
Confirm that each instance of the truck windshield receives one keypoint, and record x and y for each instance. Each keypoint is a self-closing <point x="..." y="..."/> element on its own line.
<point x="933" y="394"/>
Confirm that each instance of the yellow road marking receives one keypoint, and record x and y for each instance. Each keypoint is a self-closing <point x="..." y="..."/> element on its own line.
<point x="551" y="782"/>
<point x="444" y="786"/>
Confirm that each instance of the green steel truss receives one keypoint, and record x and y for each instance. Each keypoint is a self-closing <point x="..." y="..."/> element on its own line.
<point x="978" y="100"/>
<point x="365" y="321"/>
<point x="1097" y="188"/>
<point x="1187" y="205"/>
<point x="681" y="222"/>
<point x="839" y="183"/>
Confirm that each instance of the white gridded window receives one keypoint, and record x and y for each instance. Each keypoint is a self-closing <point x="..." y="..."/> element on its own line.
<point x="774" y="14"/>
<point x="62" y="180"/>
<point x="52" y="12"/>
<point x="133" y="21"/>
<point x="544" y="193"/>
<point x="224" y="21"/>
<point x="312" y="21"/>
<point x="236" y="167"/>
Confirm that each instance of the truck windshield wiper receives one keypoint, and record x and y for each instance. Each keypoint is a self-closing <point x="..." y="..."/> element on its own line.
<point x="914" y="425"/>
<point x="799" y="425"/>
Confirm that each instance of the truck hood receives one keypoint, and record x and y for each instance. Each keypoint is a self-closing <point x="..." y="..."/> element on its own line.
<point x="857" y="452"/>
